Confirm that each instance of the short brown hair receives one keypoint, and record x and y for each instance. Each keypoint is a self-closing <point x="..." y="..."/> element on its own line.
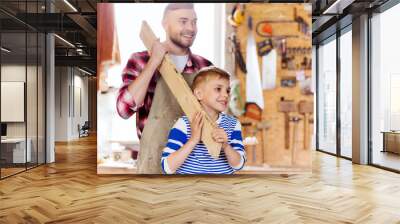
<point x="175" y="6"/>
<point x="204" y="74"/>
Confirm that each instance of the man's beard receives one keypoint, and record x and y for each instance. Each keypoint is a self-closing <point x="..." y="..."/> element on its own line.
<point x="179" y="43"/>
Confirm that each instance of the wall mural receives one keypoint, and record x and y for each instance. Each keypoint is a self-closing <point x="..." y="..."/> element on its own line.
<point x="192" y="116"/>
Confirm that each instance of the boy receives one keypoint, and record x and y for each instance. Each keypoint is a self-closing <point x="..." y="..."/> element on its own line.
<point x="185" y="153"/>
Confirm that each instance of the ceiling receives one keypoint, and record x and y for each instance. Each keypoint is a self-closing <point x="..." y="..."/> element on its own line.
<point x="76" y="22"/>
<point x="330" y="15"/>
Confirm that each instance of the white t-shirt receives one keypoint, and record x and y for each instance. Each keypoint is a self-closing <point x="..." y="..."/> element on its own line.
<point x="179" y="61"/>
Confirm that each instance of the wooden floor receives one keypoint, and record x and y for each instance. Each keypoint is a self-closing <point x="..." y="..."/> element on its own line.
<point x="70" y="191"/>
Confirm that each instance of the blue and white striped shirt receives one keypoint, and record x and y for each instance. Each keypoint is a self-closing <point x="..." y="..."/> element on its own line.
<point x="199" y="160"/>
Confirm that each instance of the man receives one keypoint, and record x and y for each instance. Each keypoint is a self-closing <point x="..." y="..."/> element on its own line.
<point x="142" y="86"/>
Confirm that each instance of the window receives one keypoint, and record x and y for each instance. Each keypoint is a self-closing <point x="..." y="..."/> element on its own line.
<point x="346" y="94"/>
<point x="327" y="96"/>
<point x="385" y="89"/>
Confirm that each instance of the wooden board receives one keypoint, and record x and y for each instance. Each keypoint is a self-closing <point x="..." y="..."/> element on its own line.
<point x="182" y="92"/>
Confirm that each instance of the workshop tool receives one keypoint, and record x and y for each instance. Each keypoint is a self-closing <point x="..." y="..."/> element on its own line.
<point x="266" y="28"/>
<point x="253" y="111"/>
<point x="183" y="94"/>
<point x="238" y="54"/>
<point x="283" y="51"/>
<point x="250" y="129"/>
<point x="304" y="63"/>
<point x="269" y="72"/>
<point x="290" y="63"/>
<point x="254" y="146"/>
<point x="236" y="104"/>
<point x="263" y="126"/>
<point x="254" y="92"/>
<point x="236" y="17"/>
<point x="303" y="27"/>
<point x="264" y="47"/>
<point x="287" y="106"/>
<point x="306" y="108"/>
<point x="250" y="140"/>
<point x="288" y="81"/>
<point x="295" y="120"/>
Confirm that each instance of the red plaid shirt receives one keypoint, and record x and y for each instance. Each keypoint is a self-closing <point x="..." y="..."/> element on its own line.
<point x="126" y="105"/>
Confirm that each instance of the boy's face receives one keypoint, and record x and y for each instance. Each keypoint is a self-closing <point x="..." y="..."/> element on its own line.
<point x="181" y="27"/>
<point x="214" y="94"/>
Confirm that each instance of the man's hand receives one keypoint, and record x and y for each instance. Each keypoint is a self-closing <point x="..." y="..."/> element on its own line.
<point x="219" y="135"/>
<point x="158" y="50"/>
<point x="196" y="126"/>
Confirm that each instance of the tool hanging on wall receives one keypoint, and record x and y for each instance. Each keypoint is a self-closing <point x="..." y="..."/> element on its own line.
<point x="236" y="104"/>
<point x="303" y="27"/>
<point x="286" y="106"/>
<point x="284" y="53"/>
<point x="238" y="54"/>
<point x="250" y="140"/>
<point x="254" y="93"/>
<point x="253" y="111"/>
<point x="264" y="29"/>
<point x="288" y="81"/>
<point x="299" y="50"/>
<point x="304" y="63"/>
<point x="269" y="70"/>
<point x="295" y="120"/>
<point x="306" y="108"/>
<point x="305" y="86"/>
<point x="291" y="63"/>
<point x="236" y="17"/>
<point x="263" y="126"/>
<point x="264" y="47"/>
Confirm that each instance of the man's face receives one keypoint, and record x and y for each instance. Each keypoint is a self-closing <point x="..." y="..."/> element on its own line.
<point x="214" y="94"/>
<point x="180" y="26"/>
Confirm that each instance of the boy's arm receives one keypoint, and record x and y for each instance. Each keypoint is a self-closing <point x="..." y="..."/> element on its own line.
<point x="177" y="158"/>
<point x="236" y="144"/>
<point x="178" y="147"/>
<point x="235" y="159"/>
<point x="234" y="150"/>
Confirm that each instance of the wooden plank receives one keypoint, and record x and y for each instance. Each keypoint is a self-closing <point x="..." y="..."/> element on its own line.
<point x="182" y="92"/>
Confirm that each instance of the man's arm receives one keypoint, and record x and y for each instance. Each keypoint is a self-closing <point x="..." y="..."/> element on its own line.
<point x="134" y="91"/>
<point x="138" y="88"/>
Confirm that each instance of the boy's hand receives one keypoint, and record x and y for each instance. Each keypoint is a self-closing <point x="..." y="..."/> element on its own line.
<point x="219" y="135"/>
<point x="158" y="50"/>
<point x="196" y="127"/>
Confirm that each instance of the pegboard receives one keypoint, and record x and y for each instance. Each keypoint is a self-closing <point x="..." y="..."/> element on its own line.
<point x="284" y="21"/>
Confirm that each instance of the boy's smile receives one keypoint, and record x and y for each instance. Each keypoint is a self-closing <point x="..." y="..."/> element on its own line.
<point x="214" y="96"/>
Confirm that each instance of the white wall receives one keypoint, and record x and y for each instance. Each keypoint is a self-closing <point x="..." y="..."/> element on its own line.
<point x="67" y="115"/>
<point x="13" y="73"/>
<point x="33" y="126"/>
<point x="61" y="103"/>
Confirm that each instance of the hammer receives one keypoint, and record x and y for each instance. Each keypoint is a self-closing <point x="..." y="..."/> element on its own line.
<point x="295" y="120"/>
<point x="286" y="106"/>
<point x="263" y="126"/>
<point x="306" y="108"/>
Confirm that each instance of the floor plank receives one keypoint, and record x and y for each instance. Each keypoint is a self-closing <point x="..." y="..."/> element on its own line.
<point x="70" y="191"/>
